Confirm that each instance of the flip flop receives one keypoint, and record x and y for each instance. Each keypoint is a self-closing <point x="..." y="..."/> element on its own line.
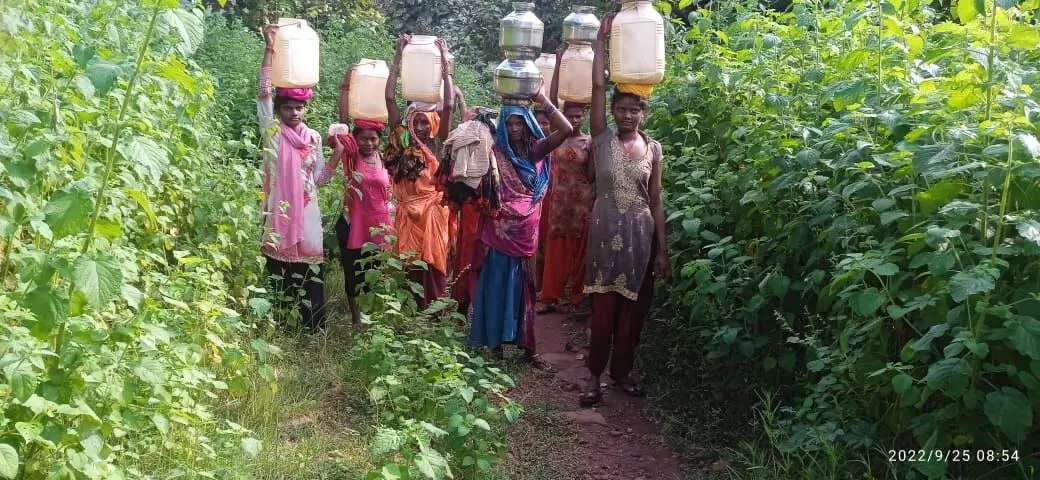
<point x="549" y="308"/>
<point x="540" y="364"/>
<point x="591" y="399"/>
<point x="632" y="389"/>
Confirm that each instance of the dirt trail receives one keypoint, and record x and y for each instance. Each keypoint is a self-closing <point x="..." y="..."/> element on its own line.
<point x="616" y="441"/>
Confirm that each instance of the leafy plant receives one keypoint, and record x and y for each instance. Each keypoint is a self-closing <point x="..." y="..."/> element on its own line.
<point x="439" y="411"/>
<point x="852" y="194"/>
<point x="125" y="244"/>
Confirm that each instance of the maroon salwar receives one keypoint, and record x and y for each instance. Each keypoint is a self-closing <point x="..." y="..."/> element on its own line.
<point x="619" y="321"/>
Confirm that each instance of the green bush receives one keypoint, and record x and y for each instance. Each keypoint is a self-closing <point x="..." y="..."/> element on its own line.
<point x="125" y="243"/>
<point x="438" y="412"/>
<point x="853" y="197"/>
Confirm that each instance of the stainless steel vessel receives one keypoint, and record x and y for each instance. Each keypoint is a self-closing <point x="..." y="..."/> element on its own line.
<point x="581" y="26"/>
<point x="517" y="77"/>
<point x="521" y="29"/>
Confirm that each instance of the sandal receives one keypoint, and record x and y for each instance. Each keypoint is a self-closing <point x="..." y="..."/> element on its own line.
<point x="591" y="398"/>
<point x="547" y="308"/>
<point x="631" y="388"/>
<point x="540" y="364"/>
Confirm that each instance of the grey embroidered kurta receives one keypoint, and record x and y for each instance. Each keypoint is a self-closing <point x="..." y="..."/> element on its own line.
<point x="621" y="228"/>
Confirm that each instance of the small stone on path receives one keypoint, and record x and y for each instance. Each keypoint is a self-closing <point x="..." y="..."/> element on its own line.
<point x="586" y="417"/>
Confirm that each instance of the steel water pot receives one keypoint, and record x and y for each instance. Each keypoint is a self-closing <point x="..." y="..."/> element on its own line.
<point x="581" y="26"/>
<point x="521" y="29"/>
<point x="517" y="78"/>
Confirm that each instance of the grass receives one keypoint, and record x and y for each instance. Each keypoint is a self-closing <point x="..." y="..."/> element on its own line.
<point x="541" y="446"/>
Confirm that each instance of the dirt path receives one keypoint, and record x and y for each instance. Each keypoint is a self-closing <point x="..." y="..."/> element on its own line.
<point x="614" y="441"/>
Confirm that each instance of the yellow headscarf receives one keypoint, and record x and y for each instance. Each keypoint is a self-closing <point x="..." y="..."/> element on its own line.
<point x="641" y="91"/>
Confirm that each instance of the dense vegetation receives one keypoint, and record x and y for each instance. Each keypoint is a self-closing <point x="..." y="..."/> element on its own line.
<point x="853" y="197"/>
<point x="853" y="201"/>
<point x="126" y="247"/>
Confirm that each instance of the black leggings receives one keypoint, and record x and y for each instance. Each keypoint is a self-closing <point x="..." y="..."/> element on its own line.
<point x="297" y="285"/>
<point x="353" y="273"/>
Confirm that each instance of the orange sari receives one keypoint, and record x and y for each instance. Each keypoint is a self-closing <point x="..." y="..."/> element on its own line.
<point x="423" y="225"/>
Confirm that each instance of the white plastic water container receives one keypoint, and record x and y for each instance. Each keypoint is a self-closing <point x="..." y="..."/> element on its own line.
<point x="421" y="76"/>
<point x="367" y="86"/>
<point x="576" y="74"/>
<point x="296" y="55"/>
<point x="637" y="44"/>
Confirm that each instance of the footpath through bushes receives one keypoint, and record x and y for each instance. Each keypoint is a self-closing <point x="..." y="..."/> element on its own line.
<point x="853" y="196"/>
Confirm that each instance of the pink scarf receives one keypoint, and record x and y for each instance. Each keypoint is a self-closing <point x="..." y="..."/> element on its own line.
<point x="294" y="146"/>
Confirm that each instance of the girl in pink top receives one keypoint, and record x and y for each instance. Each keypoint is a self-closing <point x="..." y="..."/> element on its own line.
<point x="366" y="199"/>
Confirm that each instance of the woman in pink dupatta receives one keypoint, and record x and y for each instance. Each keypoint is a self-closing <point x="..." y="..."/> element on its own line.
<point x="504" y="292"/>
<point x="292" y="160"/>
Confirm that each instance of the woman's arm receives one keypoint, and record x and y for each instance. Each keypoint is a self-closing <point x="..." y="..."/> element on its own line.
<point x="344" y="96"/>
<point x="662" y="265"/>
<point x="330" y="169"/>
<point x="561" y="126"/>
<point x="460" y="102"/>
<point x="448" y="103"/>
<point x="265" y="66"/>
<point x="554" y="90"/>
<point x="394" y="113"/>
<point x="599" y="80"/>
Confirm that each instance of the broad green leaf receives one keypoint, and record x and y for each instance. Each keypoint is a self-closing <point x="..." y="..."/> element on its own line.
<point x="431" y="463"/>
<point x="187" y="26"/>
<point x="23" y="386"/>
<point x="68" y="211"/>
<point x="901" y="382"/>
<point x="967" y="10"/>
<point x="161" y="423"/>
<point x="386" y="440"/>
<point x="103" y="75"/>
<point x="8" y="461"/>
<point x="83" y="54"/>
<point x="939" y="195"/>
<point x="98" y="279"/>
<point x="977" y="279"/>
<point x="480" y="422"/>
<point x="1025" y="336"/>
<point x="925" y="342"/>
<point x="1029" y="143"/>
<point x="866" y="302"/>
<point x="110" y="229"/>
<point x="1030" y="230"/>
<point x="150" y="370"/>
<point x="49" y="306"/>
<point x="147" y="157"/>
<point x="951" y="375"/>
<point x="252" y="446"/>
<point x="1010" y="411"/>
<point x="891" y="216"/>
<point x="142" y="201"/>
<point x="1024" y="37"/>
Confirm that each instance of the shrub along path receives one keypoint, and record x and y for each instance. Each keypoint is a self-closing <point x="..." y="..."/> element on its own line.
<point x="615" y="441"/>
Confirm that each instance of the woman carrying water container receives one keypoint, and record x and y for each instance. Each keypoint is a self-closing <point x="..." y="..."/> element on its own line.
<point x="366" y="198"/>
<point x="566" y="210"/>
<point x="292" y="160"/>
<point x="626" y="243"/>
<point x="504" y="298"/>
<point x="423" y="225"/>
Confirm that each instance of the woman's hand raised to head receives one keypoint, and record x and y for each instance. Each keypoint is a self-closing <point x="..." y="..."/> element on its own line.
<point x="604" y="27"/>
<point x="269" y="34"/>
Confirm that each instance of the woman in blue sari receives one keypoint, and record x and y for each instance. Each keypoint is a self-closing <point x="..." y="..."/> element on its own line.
<point x="504" y="294"/>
